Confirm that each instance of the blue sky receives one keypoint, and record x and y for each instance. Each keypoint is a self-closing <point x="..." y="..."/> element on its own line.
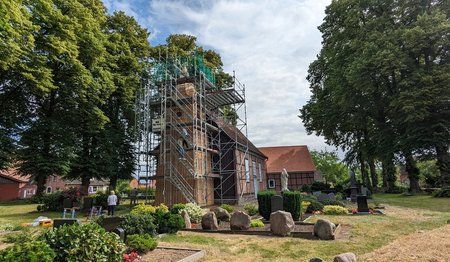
<point x="269" y="44"/>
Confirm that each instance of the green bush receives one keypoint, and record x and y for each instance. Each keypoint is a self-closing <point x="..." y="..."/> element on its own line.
<point x="88" y="242"/>
<point x="264" y="205"/>
<point x="30" y="251"/>
<point x="138" y="224"/>
<point x="444" y="192"/>
<point x="314" y="206"/>
<point x="304" y="205"/>
<point x="168" y="222"/>
<point x="176" y="208"/>
<point x="309" y="198"/>
<point x="228" y="208"/>
<point x="251" y="209"/>
<point x="334" y="210"/>
<point x="292" y="203"/>
<point x="51" y="202"/>
<point x="319" y="186"/>
<point x="333" y="203"/>
<point x="141" y="209"/>
<point x="256" y="223"/>
<point x="141" y="243"/>
<point x="306" y="188"/>
<point x="194" y="211"/>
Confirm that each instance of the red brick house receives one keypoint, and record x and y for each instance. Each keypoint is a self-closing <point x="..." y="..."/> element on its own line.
<point x="297" y="161"/>
<point x="13" y="186"/>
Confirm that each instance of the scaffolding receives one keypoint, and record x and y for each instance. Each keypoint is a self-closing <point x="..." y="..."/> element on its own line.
<point x="180" y="117"/>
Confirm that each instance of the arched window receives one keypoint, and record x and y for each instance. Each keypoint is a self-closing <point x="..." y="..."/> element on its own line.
<point x="49" y="189"/>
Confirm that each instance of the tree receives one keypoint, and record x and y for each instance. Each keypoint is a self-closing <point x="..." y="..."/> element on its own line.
<point x="374" y="84"/>
<point x="330" y="166"/>
<point x="108" y="152"/>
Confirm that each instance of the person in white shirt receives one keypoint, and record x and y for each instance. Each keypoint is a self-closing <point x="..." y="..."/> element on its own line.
<point x="112" y="203"/>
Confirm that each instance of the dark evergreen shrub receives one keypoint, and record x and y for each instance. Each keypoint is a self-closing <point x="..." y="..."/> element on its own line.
<point x="319" y="186"/>
<point x="139" y="224"/>
<point x="168" y="222"/>
<point x="314" y="206"/>
<point x="264" y="206"/>
<point x="291" y="203"/>
<point x="141" y="243"/>
<point x="176" y="208"/>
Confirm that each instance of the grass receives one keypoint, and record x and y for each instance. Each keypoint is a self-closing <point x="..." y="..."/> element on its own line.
<point x="19" y="212"/>
<point x="421" y="201"/>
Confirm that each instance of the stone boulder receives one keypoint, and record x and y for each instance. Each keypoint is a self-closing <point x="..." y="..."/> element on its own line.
<point x="281" y="223"/>
<point x="187" y="219"/>
<point x="209" y="221"/>
<point x="345" y="257"/>
<point x="316" y="259"/>
<point x="324" y="229"/>
<point x="239" y="221"/>
<point x="222" y="214"/>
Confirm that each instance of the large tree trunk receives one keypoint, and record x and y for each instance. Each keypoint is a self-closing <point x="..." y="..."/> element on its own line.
<point x="413" y="174"/>
<point x="40" y="184"/>
<point x="443" y="163"/>
<point x="364" y="174"/>
<point x="389" y="172"/>
<point x="113" y="182"/>
<point x="85" y="182"/>
<point x="373" y="173"/>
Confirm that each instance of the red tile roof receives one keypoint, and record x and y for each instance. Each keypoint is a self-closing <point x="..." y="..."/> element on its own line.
<point x="293" y="158"/>
<point x="13" y="175"/>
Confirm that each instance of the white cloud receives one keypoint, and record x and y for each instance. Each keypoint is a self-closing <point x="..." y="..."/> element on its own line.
<point x="270" y="44"/>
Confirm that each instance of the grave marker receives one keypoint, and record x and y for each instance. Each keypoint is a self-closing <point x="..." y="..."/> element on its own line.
<point x="276" y="203"/>
<point x="362" y="204"/>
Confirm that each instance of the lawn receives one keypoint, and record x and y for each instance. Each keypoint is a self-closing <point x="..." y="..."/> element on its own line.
<point x="421" y="201"/>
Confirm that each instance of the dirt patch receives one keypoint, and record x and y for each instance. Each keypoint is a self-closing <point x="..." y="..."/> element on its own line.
<point x="167" y="255"/>
<point x="431" y="246"/>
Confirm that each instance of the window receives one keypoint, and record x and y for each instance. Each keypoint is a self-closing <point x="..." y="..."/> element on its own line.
<point x="49" y="189"/>
<point x="271" y="183"/>
<point x="247" y="171"/>
<point x="94" y="189"/>
<point x="260" y="173"/>
<point x="254" y="170"/>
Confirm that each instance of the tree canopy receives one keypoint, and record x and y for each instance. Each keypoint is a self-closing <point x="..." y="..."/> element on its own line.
<point x="380" y="84"/>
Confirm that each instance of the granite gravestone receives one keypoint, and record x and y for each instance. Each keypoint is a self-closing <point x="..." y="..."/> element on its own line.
<point x="276" y="203"/>
<point x="362" y="204"/>
<point x="67" y="203"/>
<point x="332" y="196"/>
<point x="87" y="203"/>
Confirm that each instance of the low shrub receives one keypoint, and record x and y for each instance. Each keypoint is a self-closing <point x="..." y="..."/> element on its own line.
<point x="10" y="227"/>
<point x="291" y="203"/>
<point x="334" y="210"/>
<point x="309" y="198"/>
<point x="444" y="192"/>
<point x="168" y="222"/>
<point x="51" y="202"/>
<point x="251" y="209"/>
<point x="314" y="206"/>
<point x="88" y="242"/>
<point x="30" y="251"/>
<point x="162" y="208"/>
<point x="140" y="223"/>
<point x="194" y="211"/>
<point x="304" y="207"/>
<point x="306" y="188"/>
<point x="228" y="208"/>
<point x="176" y="208"/>
<point x="319" y="186"/>
<point x="332" y="203"/>
<point x="143" y="209"/>
<point x="256" y="223"/>
<point x="264" y="203"/>
<point x="340" y="196"/>
<point x="141" y="243"/>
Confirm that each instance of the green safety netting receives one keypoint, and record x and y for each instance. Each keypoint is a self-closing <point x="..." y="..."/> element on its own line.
<point x="178" y="66"/>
